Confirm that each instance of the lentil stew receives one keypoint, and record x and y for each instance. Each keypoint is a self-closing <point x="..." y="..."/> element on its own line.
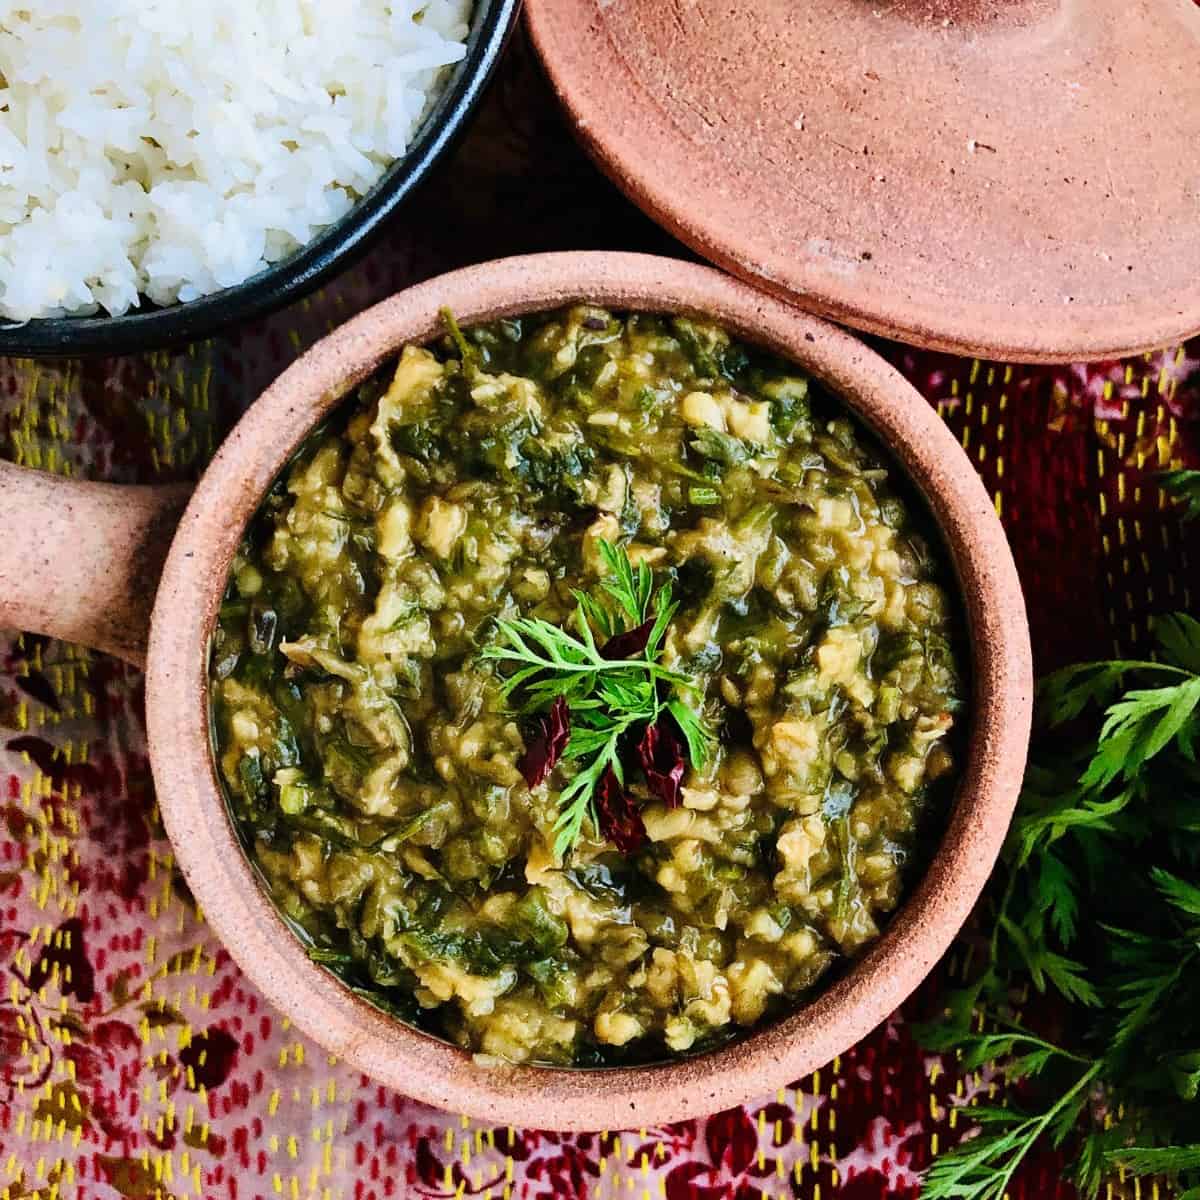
<point x="372" y="760"/>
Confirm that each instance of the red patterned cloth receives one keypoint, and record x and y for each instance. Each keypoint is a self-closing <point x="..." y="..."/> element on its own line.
<point x="136" y="1060"/>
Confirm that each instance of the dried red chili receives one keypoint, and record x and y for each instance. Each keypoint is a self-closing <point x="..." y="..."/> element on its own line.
<point x="620" y="821"/>
<point x="661" y="753"/>
<point x="546" y="746"/>
<point x="628" y="644"/>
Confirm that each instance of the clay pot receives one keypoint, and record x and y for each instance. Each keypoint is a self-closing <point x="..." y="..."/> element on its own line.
<point x="80" y="561"/>
<point x="1009" y="178"/>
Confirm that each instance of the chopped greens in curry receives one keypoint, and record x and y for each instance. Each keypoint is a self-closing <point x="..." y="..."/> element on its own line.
<point x="541" y="864"/>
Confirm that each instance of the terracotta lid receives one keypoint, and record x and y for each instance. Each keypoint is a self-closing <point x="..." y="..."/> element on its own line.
<point x="1013" y="178"/>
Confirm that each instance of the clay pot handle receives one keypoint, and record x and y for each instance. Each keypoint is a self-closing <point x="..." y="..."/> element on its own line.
<point x="81" y="561"/>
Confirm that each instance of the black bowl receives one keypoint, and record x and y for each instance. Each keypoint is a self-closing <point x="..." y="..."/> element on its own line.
<point x="151" y="327"/>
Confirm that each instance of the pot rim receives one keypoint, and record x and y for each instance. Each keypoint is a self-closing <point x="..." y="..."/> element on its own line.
<point x="227" y="887"/>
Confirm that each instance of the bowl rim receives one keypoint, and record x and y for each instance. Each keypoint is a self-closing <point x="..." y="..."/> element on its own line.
<point x="313" y="263"/>
<point x="225" y="884"/>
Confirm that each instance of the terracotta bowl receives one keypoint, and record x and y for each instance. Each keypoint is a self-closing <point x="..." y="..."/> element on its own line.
<point x="82" y="561"/>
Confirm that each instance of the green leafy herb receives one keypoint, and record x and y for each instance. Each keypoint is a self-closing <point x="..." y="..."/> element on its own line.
<point x="1184" y="485"/>
<point x="1096" y="905"/>
<point x="610" y="698"/>
<point x="703" y="496"/>
<point x="701" y="345"/>
<point x="466" y="352"/>
<point x="721" y="449"/>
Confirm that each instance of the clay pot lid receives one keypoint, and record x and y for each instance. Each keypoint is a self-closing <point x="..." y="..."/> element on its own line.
<point x="1013" y="178"/>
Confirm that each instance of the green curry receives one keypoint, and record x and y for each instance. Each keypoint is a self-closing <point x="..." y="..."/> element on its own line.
<point x="373" y="760"/>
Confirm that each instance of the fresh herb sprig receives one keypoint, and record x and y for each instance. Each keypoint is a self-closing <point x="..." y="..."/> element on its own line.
<point x="612" y="690"/>
<point x="1097" y="905"/>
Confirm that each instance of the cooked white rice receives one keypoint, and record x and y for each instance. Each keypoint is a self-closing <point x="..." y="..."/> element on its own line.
<point x="171" y="148"/>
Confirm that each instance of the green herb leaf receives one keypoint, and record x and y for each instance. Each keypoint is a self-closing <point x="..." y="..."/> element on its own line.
<point x="722" y="449"/>
<point x="608" y="699"/>
<point x="1058" y="886"/>
<point x="703" y="496"/>
<point x="1184" y="486"/>
<point x="696" y="733"/>
<point x="631" y="589"/>
<point x="1096" y="898"/>
<point x="466" y="351"/>
<point x="1179" y="637"/>
<point x="983" y="1168"/>
<point x="1156" y="1160"/>
<point x="1139" y="726"/>
<point x="1182" y="895"/>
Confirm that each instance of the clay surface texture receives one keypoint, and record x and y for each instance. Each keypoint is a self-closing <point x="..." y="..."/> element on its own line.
<point x="1015" y="179"/>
